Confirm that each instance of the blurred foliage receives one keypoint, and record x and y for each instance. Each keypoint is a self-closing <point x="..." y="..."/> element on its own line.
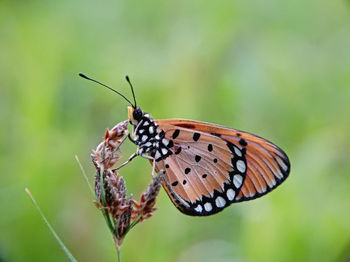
<point x="278" y="69"/>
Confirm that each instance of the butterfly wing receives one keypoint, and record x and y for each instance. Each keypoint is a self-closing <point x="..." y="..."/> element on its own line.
<point x="213" y="166"/>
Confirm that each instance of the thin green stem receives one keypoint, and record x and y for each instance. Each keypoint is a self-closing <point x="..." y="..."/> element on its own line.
<point x="84" y="175"/>
<point x="132" y="225"/>
<point x="65" y="249"/>
<point x="119" y="256"/>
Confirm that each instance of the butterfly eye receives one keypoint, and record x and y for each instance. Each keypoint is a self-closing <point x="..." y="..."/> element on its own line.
<point x="137" y="114"/>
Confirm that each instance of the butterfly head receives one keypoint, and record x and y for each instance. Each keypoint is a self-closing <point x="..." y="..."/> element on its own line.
<point x="135" y="114"/>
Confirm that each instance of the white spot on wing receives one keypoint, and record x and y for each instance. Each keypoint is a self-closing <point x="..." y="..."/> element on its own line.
<point x="220" y="201"/>
<point x="241" y="166"/>
<point x="199" y="208"/>
<point x="230" y="194"/>
<point x="237" y="151"/>
<point x="208" y="207"/>
<point x="146" y="123"/>
<point x="237" y="181"/>
<point x="151" y="130"/>
<point x="141" y="131"/>
<point x="144" y="138"/>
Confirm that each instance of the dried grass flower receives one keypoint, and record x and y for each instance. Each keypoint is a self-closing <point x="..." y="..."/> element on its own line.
<point x="121" y="212"/>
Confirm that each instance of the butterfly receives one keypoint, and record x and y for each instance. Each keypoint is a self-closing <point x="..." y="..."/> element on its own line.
<point x="206" y="167"/>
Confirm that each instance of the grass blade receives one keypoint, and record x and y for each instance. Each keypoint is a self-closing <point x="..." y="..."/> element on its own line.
<point x="65" y="249"/>
<point x="84" y="175"/>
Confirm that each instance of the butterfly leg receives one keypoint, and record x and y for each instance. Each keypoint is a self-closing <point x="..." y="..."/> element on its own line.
<point x="153" y="162"/>
<point x="153" y="166"/>
<point x="148" y="157"/>
<point x="129" y="160"/>
<point x="131" y="139"/>
<point x="133" y="156"/>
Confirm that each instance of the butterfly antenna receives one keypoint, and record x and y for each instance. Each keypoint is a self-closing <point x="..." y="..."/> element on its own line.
<point x="93" y="80"/>
<point x="132" y="89"/>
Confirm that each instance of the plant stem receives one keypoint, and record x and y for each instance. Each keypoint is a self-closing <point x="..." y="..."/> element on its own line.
<point x="60" y="242"/>
<point x="132" y="225"/>
<point x="119" y="257"/>
<point x="84" y="174"/>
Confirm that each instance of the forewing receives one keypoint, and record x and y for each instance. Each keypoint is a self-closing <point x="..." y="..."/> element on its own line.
<point x="265" y="166"/>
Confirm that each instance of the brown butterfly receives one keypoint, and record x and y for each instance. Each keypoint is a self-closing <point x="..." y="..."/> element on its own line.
<point x="207" y="167"/>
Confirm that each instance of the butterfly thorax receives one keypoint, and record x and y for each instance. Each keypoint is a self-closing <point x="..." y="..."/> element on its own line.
<point x="148" y="137"/>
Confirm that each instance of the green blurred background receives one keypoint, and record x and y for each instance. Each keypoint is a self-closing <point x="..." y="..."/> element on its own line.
<point x="275" y="68"/>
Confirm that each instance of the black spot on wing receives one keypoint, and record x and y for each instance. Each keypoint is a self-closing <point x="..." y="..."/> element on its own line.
<point x="196" y="136"/>
<point x="242" y="142"/>
<point x="178" y="150"/>
<point x="171" y="144"/>
<point x="190" y="126"/>
<point x="176" y="133"/>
